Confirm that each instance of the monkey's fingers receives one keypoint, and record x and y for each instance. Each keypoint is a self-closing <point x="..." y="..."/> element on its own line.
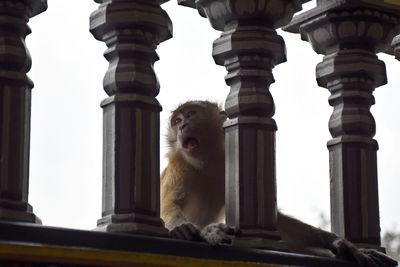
<point x="236" y="231"/>
<point x="343" y="249"/>
<point x="364" y="257"/>
<point x="218" y="233"/>
<point x="379" y="259"/>
<point x="177" y="234"/>
<point x="229" y="230"/>
<point x="225" y="228"/>
<point x="186" y="231"/>
<point x="217" y="238"/>
<point x="339" y="249"/>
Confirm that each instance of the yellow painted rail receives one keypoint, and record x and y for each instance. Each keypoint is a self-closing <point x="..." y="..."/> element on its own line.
<point x="393" y="2"/>
<point x="94" y="257"/>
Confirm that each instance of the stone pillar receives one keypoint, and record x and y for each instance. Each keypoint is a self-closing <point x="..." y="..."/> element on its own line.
<point x="131" y="29"/>
<point x="349" y="36"/>
<point x="15" y="109"/>
<point x="249" y="48"/>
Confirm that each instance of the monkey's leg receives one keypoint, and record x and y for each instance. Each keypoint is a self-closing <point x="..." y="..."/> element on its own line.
<point x="308" y="239"/>
<point x="300" y="235"/>
<point x="364" y="257"/>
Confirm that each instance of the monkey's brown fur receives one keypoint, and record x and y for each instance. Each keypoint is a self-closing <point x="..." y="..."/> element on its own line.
<point x="192" y="185"/>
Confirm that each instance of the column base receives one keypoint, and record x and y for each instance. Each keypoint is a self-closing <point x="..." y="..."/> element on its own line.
<point x="259" y="242"/>
<point x="260" y="238"/>
<point x="132" y="223"/>
<point x="18" y="211"/>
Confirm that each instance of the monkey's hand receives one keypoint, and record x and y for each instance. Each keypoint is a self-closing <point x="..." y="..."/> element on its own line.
<point x="186" y="231"/>
<point x="218" y="233"/>
<point x="344" y="249"/>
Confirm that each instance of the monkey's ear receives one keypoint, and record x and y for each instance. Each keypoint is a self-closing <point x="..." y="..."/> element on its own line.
<point x="223" y="116"/>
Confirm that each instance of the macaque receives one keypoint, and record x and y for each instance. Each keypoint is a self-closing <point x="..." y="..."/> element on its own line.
<point x="192" y="185"/>
<point x="193" y="191"/>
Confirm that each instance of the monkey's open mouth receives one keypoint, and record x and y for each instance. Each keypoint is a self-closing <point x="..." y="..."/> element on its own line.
<point x="190" y="143"/>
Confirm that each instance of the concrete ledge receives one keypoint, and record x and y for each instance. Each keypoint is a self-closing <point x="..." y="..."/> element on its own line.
<point x="20" y="242"/>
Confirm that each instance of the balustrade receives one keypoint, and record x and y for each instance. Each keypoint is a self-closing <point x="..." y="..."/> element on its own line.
<point x="349" y="34"/>
<point x="15" y="108"/>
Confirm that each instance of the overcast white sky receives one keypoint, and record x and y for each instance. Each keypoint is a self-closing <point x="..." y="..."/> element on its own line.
<point x="66" y="135"/>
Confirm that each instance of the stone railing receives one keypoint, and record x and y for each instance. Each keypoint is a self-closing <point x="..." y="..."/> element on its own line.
<point x="348" y="33"/>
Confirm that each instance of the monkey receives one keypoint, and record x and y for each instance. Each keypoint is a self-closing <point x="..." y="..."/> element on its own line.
<point x="194" y="179"/>
<point x="192" y="191"/>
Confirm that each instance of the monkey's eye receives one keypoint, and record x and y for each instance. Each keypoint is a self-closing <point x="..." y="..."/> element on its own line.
<point x="177" y="120"/>
<point x="190" y="113"/>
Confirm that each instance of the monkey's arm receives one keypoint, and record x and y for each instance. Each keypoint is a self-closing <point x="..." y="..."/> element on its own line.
<point x="305" y="238"/>
<point x="172" y="214"/>
<point x="176" y="222"/>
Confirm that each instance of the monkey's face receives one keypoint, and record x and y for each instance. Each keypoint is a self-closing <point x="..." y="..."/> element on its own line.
<point x="187" y="125"/>
<point x="195" y="127"/>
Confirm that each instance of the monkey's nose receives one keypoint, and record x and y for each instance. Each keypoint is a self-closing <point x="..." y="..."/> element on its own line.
<point x="182" y="126"/>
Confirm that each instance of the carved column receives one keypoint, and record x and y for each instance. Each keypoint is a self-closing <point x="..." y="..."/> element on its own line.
<point x="249" y="48"/>
<point x="15" y="108"/>
<point x="132" y="29"/>
<point x="350" y="36"/>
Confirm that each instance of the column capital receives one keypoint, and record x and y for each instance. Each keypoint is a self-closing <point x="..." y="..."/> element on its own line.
<point x="273" y="14"/>
<point x="351" y="65"/>
<point x="244" y="40"/>
<point x="334" y="25"/>
<point x="249" y="48"/>
<point x="119" y="19"/>
<point x="131" y="29"/>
